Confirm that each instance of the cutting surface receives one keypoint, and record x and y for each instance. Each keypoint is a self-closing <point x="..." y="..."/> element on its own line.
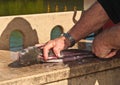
<point x="49" y="72"/>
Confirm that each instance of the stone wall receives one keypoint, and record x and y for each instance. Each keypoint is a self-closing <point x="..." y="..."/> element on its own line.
<point x="35" y="28"/>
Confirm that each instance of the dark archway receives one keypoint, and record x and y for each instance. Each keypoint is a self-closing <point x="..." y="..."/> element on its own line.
<point x="56" y="32"/>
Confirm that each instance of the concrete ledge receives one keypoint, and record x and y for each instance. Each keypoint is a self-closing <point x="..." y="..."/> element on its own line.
<point x="55" y="73"/>
<point x="107" y="77"/>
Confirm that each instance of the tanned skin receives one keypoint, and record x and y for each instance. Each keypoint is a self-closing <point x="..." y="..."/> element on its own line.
<point x="107" y="43"/>
<point x="92" y="20"/>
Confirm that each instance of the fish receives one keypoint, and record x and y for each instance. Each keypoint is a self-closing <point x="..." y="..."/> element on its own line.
<point x="33" y="55"/>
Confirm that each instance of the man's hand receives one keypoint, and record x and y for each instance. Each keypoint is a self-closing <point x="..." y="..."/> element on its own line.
<point x="107" y="43"/>
<point x="93" y="19"/>
<point x="56" y="45"/>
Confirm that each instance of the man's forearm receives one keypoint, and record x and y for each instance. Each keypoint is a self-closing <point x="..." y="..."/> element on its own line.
<point x="93" y="19"/>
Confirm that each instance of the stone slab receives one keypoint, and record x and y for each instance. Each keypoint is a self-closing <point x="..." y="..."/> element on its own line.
<point x="107" y="77"/>
<point x="51" y="72"/>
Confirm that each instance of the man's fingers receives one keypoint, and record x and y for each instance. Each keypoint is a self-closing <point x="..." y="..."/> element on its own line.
<point x="111" y="54"/>
<point x="39" y="45"/>
<point x="57" y="51"/>
<point x="105" y="53"/>
<point x="102" y="53"/>
<point x="46" y="49"/>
